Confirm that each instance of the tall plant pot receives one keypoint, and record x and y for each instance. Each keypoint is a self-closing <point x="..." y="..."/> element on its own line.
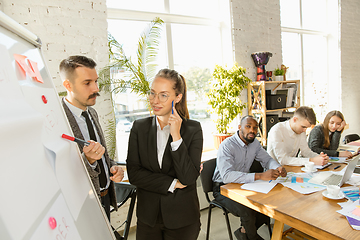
<point x="218" y="138"/>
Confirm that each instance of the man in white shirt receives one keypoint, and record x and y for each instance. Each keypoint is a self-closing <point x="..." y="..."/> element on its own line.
<point x="287" y="138"/>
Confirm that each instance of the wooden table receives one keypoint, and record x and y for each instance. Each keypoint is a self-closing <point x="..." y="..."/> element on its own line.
<point x="312" y="214"/>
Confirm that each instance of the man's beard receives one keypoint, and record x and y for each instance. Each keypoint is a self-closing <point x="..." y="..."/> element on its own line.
<point x="248" y="140"/>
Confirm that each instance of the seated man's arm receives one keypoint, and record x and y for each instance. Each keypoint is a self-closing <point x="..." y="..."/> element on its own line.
<point x="278" y="150"/>
<point x="265" y="159"/>
<point x="272" y="167"/>
<point x="229" y="169"/>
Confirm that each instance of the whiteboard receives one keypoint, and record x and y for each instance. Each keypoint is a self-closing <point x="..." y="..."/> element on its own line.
<point x="46" y="192"/>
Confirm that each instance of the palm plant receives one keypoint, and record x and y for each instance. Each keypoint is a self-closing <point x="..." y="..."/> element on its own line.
<point x="137" y="75"/>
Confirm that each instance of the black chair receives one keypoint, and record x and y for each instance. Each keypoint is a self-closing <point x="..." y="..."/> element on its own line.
<point x="350" y="138"/>
<point x="207" y="185"/>
<point x="125" y="191"/>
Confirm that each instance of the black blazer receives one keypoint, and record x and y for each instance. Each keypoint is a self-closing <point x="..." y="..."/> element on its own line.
<point x="316" y="141"/>
<point x="178" y="209"/>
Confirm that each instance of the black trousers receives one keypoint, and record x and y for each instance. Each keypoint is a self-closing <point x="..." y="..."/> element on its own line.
<point x="105" y="202"/>
<point x="160" y="232"/>
<point x="250" y="219"/>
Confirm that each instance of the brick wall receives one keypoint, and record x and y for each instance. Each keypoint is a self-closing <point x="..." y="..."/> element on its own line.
<point x="350" y="52"/>
<point x="256" y="28"/>
<point x="66" y="28"/>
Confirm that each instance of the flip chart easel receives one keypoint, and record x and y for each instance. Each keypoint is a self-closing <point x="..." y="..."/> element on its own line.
<point x="46" y="192"/>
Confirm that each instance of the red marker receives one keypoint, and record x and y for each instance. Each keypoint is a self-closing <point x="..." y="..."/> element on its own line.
<point x="74" y="139"/>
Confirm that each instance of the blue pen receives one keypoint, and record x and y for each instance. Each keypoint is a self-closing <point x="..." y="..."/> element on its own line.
<point x="270" y="181"/>
<point x="172" y="107"/>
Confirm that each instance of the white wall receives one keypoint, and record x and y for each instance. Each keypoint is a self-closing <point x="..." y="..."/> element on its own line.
<point x="66" y="28"/>
<point x="350" y="68"/>
<point x="256" y="28"/>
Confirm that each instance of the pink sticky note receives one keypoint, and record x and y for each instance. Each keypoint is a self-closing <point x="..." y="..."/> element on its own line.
<point x="32" y="70"/>
<point x="35" y="69"/>
<point x="20" y="60"/>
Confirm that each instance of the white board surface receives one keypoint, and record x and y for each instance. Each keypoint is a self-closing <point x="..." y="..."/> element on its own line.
<point x="43" y="177"/>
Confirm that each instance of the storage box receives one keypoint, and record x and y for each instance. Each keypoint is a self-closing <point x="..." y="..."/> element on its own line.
<point x="271" y="120"/>
<point x="275" y="101"/>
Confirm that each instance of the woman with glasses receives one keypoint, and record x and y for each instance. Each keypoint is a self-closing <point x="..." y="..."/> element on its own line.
<point x="163" y="162"/>
<point x="325" y="137"/>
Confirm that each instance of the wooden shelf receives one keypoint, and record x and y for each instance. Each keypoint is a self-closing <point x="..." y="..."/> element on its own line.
<point x="257" y="102"/>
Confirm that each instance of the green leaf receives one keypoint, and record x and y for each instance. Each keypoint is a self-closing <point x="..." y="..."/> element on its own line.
<point x="224" y="94"/>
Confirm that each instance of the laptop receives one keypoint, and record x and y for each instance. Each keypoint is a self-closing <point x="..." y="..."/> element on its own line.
<point x="329" y="178"/>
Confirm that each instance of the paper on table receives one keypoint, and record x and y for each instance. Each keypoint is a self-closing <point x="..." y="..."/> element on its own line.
<point x="355" y="224"/>
<point x="299" y="183"/>
<point x="351" y="210"/>
<point x="337" y="159"/>
<point x="260" y="186"/>
<point x="351" y="193"/>
<point x="354" y="143"/>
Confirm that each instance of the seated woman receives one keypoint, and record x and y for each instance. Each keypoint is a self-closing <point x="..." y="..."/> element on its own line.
<point x="325" y="137"/>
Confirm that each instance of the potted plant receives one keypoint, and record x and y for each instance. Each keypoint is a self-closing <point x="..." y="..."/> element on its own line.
<point x="224" y="97"/>
<point x="279" y="74"/>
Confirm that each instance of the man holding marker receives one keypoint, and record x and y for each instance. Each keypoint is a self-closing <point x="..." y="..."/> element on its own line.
<point x="80" y="80"/>
<point x="235" y="160"/>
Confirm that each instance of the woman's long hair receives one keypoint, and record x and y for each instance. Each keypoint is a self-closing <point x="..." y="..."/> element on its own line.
<point x="325" y="125"/>
<point x="179" y="87"/>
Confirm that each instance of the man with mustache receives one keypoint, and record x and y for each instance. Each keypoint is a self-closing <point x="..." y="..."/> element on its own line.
<point x="80" y="80"/>
<point x="235" y="157"/>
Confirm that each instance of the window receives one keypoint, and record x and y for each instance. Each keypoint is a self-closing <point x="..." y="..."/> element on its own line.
<point x="192" y="42"/>
<point x="309" y="37"/>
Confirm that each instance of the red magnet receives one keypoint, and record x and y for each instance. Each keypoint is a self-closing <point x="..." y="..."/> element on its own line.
<point x="44" y="99"/>
<point x="52" y="223"/>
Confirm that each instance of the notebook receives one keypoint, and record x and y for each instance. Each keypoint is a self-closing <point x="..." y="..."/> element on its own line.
<point x="329" y="178"/>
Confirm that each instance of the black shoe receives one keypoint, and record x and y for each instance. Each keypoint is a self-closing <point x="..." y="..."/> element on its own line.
<point x="240" y="235"/>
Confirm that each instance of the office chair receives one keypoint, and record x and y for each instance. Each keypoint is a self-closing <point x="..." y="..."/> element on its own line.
<point x="125" y="191"/>
<point x="350" y="138"/>
<point x="207" y="185"/>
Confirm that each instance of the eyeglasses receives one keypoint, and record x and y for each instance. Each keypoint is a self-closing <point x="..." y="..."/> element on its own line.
<point x="163" y="97"/>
